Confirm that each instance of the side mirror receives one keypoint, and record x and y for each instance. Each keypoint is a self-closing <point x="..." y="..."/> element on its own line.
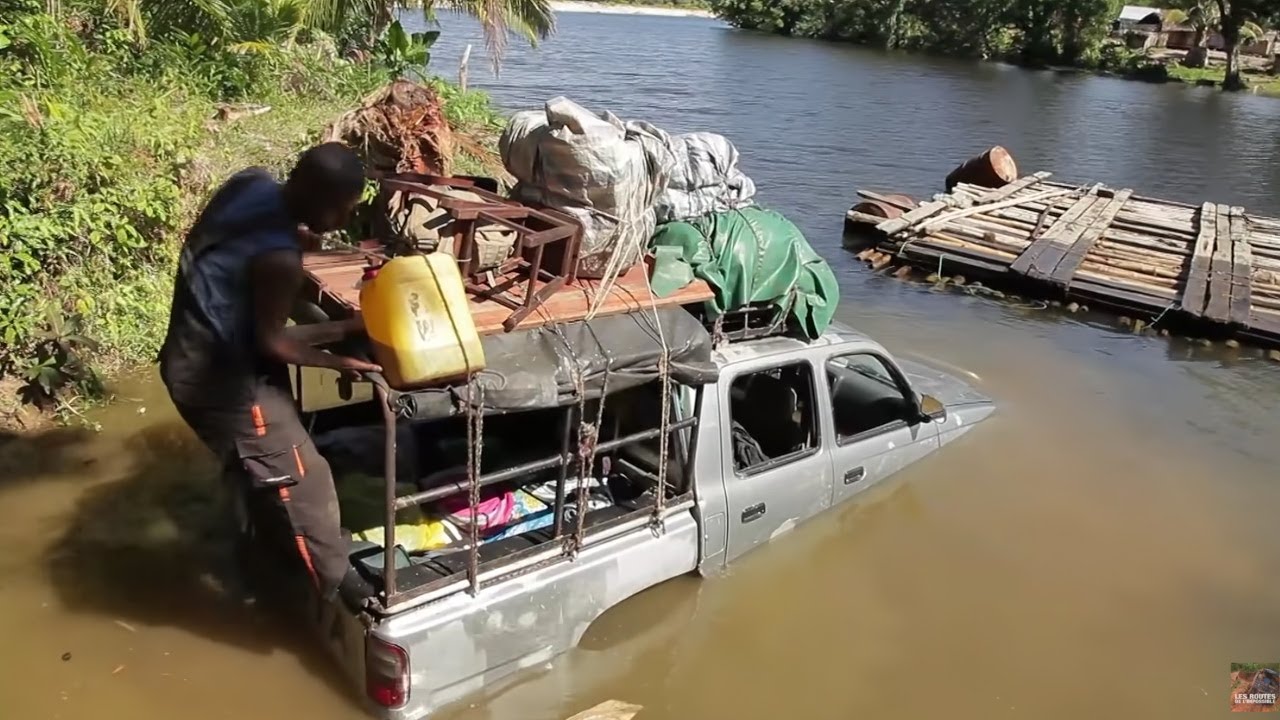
<point x="931" y="408"/>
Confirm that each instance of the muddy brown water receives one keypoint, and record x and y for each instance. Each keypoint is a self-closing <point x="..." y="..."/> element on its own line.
<point x="1103" y="547"/>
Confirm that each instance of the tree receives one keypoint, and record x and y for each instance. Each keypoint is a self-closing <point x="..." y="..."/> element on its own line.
<point x="359" y="22"/>
<point x="1234" y="20"/>
<point x="1237" y="19"/>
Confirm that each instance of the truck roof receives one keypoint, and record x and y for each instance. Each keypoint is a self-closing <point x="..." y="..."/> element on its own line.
<point x="836" y="334"/>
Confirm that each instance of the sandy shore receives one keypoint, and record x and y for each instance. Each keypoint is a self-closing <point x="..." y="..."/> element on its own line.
<point x="595" y="7"/>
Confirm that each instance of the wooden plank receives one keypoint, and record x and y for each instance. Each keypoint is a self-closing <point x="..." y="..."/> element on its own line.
<point x="1265" y="324"/>
<point x="630" y="293"/>
<point x="1071" y="260"/>
<point x="1218" y="307"/>
<point x="1198" y="276"/>
<point x="1158" y="295"/>
<point x="886" y="199"/>
<point x="1241" y="268"/>
<point x="897" y="225"/>
<point x="1013" y="187"/>
<point x="1112" y="296"/>
<point x="1065" y="229"/>
<point x="920" y="255"/>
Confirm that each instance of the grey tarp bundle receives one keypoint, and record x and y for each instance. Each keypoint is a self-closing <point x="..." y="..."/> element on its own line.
<point x="705" y="178"/>
<point x="605" y="173"/>
<point x="534" y="368"/>
<point x="618" y="179"/>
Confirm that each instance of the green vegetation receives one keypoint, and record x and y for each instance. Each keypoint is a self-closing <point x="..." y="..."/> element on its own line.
<point x="681" y="4"/>
<point x="1254" y="667"/>
<point x="1031" y="32"/>
<point x="118" y="118"/>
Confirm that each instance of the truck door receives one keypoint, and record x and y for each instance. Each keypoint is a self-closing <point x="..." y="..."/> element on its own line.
<point x="874" y="431"/>
<point x="776" y="474"/>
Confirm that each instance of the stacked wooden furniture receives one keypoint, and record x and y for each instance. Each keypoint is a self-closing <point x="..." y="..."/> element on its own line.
<point x="537" y="285"/>
<point x="1210" y="264"/>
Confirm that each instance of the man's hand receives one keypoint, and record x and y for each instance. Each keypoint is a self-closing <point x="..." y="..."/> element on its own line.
<point x="309" y="240"/>
<point x="275" y="280"/>
<point x="355" y="368"/>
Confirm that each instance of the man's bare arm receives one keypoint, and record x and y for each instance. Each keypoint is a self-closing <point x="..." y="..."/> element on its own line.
<point x="275" y="279"/>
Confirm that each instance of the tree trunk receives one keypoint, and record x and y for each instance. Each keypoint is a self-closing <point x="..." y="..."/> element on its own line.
<point x="895" y="16"/>
<point x="1231" y="79"/>
<point x="1198" y="55"/>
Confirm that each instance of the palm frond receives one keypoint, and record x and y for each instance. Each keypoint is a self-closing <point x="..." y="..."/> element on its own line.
<point x="532" y="19"/>
<point x="131" y="16"/>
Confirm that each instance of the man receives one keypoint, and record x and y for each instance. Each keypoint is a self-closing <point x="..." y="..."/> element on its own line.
<point x="226" y="355"/>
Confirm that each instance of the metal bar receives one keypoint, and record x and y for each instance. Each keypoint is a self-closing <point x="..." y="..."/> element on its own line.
<point x="691" y="451"/>
<point x="389" y="476"/>
<point x="564" y="471"/>
<point x="545" y="464"/>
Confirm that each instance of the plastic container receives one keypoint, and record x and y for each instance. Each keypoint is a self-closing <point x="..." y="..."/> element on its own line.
<point x="419" y="322"/>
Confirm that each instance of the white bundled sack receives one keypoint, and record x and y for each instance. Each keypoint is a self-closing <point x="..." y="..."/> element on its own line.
<point x="605" y="173"/>
<point x="705" y="179"/>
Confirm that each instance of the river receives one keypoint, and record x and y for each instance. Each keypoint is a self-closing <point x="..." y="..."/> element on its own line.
<point x="1103" y="547"/>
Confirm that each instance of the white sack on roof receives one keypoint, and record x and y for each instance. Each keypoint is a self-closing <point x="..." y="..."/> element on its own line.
<point x="706" y="179"/>
<point x="605" y="173"/>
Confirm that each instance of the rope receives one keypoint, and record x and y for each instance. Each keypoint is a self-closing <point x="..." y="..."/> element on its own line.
<point x="475" y="451"/>
<point x="664" y="374"/>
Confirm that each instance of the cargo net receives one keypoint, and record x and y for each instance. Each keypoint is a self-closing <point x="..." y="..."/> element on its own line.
<point x="588" y="438"/>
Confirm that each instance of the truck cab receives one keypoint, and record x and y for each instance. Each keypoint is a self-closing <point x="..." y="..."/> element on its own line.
<point x="783" y="431"/>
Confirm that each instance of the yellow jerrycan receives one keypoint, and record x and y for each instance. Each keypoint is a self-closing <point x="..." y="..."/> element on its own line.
<point x="419" y="322"/>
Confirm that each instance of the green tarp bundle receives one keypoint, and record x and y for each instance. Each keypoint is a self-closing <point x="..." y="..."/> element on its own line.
<point x="748" y="256"/>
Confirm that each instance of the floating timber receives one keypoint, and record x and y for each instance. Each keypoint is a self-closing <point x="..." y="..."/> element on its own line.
<point x="1210" y="265"/>
<point x="332" y="280"/>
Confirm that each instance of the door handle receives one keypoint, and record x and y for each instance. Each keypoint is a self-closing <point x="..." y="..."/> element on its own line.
<point x="755" y="512"/>
<point x="855" y="475"/>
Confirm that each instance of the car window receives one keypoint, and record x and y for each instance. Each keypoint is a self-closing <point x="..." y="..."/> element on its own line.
<point x="774" y="418"/>
<point x="865" y="397"/>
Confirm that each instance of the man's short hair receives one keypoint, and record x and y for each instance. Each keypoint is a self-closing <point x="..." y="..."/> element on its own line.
<point x="329" y="171"/>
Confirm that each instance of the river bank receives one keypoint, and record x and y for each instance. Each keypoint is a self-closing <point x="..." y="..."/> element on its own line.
<point x="105" y="162"/>
<point x="606" y="8"/>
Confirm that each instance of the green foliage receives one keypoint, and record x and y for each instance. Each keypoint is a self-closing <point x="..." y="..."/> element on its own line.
<point x="1033" y="31"/>
<point x="399" y="52"/>
<point x="110" y="142"/>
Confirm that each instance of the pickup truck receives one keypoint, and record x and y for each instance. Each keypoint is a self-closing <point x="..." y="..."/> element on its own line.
<point x="787" y="429"/>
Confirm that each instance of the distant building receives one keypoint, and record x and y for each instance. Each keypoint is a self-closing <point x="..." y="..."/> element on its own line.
<point x="1139" y="17"/>
<point x="1142" y="27"/>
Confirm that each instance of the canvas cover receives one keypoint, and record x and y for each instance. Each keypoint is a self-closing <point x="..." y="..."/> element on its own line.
<point x="535" y="368"/>
<point x="748" y="256"/>
<point x="705" y="178"/>
<point x="605" y="173"/>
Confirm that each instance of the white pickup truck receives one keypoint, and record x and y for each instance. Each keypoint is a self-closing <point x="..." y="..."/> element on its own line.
<point x="781" y="430"/>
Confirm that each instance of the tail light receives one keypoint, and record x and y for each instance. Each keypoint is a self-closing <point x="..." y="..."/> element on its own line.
<point x="386" y="673"/>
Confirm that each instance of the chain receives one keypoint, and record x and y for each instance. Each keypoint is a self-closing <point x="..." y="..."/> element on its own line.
<point x="475" y="452"/>
<point x="660" y="502"/>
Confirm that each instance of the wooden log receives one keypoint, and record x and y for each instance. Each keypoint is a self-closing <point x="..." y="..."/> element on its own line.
<point x="1241" y="268"/>
<point x="1161" y="293"/>
<point x="1218" y="307"/>
<point x="1138" y="275"/>
<point x="1154" y="271"/>
<point x="1193" y="299"/>
<point x="1066" y="230"/>
<point x="1073" y="256"/>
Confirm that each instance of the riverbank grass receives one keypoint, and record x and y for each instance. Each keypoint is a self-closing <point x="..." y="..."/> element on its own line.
<point x="103" y="167"/>
<point x="1258" y="81"/>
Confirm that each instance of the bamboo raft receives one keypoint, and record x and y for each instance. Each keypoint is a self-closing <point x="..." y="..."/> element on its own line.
<point x="1212" y="267"/>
